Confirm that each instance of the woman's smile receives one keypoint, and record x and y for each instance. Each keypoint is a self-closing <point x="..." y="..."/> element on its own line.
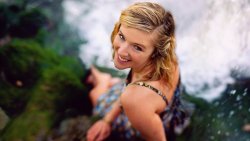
<point x="123" y="59"/>
<point x="132" y="48"/>
<point x="121" y="62"/>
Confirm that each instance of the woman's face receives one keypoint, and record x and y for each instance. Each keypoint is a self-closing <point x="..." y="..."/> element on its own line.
<point x="132" y="48"/>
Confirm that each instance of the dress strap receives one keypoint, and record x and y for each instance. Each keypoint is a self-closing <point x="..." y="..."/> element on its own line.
<point x="152" y="88"/>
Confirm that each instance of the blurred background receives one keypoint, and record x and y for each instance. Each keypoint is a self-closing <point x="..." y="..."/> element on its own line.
<point x="47" y="46"/>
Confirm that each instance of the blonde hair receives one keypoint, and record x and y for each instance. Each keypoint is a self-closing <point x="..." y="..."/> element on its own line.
<point x="153" y="18"/>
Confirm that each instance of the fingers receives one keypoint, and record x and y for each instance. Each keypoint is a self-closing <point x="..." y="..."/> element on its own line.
<point x="99" y="131"/>
<point x="92" y="133"/>
<point x="104" y="133"/>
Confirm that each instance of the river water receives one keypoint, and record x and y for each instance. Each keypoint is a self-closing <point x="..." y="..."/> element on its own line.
<point x="213" y="38"/>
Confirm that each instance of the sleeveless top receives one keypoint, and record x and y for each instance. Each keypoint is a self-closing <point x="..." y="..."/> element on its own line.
<point x="152" y="88"/>
<point x="173" y="117"/>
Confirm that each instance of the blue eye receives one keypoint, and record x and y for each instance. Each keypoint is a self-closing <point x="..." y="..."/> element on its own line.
<point x="137" y="48"/>
<point x="121" y="37"/>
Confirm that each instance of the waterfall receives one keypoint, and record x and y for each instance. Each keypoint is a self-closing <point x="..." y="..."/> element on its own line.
<point x="213" y="44"/>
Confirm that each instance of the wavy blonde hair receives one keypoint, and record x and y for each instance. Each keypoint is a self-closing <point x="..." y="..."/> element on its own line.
<point x="153" y="18"/>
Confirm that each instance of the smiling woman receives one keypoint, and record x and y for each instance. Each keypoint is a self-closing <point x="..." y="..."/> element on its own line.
<point x="132" y="48"/>
<point x="143" y="40"/>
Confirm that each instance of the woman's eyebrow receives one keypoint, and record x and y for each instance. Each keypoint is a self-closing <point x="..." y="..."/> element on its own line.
<point x="141" y="45"/>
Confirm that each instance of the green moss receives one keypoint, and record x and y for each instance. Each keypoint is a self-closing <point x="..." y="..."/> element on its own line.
<point x="39" y="85"/>
<point x="29" y="126"/>
<point x="50" y="87"/>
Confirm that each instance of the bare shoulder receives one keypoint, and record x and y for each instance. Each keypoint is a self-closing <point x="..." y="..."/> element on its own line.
<point x="139" y="104"/>
<point x="136" y="96"/>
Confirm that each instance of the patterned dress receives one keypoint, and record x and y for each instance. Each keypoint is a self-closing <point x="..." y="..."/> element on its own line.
<point x="173" y="116"/>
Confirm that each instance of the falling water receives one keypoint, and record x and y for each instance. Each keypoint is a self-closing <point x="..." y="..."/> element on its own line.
<point x="213" y="43"/>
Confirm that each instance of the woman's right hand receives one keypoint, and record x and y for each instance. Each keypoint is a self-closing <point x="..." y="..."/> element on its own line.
<point x="99" y="131"/>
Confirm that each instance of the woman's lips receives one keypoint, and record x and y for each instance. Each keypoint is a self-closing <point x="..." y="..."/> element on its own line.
<point x="122" y="59"/>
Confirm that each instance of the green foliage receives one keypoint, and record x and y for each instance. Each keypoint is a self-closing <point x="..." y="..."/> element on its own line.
<point x="21" y="65"/>
<point x="49" y="85"/>
<point x="3" y="21"/>
<point x="28" y="126"/>
<point x="21" y="61"/>
<point x="19" y="22"/>
<point x="39" y="85"/>
<point x="42" y="21"/>
<point x="13" y="100"/>
<point x="29" y="23"/>
<point x="69" y="93"/>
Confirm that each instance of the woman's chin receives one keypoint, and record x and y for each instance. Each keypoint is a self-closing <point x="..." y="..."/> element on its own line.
<point x="119" y="67"/>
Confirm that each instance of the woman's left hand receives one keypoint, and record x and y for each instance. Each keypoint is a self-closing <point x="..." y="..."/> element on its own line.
<point x="99" y="131"/>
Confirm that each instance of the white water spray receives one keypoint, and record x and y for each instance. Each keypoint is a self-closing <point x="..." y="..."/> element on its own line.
<point x="212" y="38"/>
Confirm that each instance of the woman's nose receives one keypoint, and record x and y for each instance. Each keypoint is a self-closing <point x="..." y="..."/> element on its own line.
<point x="123" y="50"/>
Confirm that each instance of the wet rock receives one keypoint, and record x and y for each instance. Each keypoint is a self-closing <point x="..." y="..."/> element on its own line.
<point x="73" y="129"/>
<point x="3" y="119"/>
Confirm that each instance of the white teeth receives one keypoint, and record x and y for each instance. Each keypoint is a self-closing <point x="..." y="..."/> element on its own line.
<point x="125" y="60"/>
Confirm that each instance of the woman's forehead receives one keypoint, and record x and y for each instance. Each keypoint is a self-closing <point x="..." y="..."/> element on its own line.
<point x="137" y="36"/>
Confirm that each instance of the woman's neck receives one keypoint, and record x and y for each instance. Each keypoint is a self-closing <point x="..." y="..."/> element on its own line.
<point x="136" y="77"/>
<point x="139" y="75"/>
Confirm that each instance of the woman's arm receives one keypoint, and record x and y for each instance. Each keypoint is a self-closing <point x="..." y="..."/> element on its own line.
<point x="139" y="105"/>
<point x="102" y="128"/>
<point x="113" y="113"/>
